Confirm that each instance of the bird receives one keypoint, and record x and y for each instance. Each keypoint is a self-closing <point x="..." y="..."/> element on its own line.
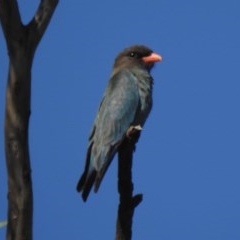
<point x="126" y="103"/>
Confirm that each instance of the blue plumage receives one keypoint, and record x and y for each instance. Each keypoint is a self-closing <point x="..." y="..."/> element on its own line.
<point x="127" y="102"/>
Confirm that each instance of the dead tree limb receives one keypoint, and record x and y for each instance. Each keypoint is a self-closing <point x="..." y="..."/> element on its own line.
<point x="128" y="202"/>
<point x="21" y="41"/>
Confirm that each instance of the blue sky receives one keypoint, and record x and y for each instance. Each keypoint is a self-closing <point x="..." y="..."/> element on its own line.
<point x="188" y="158"/>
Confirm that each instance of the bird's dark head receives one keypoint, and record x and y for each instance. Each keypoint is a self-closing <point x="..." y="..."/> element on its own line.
<point x="137" y="55"/>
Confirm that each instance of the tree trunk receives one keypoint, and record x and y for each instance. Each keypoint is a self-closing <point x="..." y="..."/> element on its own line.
<point x="21" y="44"/>
<point x="20" y="203"/>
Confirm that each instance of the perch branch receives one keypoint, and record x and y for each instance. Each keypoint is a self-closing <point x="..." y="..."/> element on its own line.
<point x="128" y="202"/>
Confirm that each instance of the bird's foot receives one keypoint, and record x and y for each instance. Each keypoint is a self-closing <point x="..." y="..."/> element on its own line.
<point x="133" y="130"/>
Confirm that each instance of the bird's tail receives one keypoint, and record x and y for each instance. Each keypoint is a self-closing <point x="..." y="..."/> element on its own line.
<point x="86" y="182"/>
<point x="88" y="177"/>
<point x="91" y="175"/>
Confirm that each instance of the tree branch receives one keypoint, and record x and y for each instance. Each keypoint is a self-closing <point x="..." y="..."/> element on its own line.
<point x="9" y="15"/>
<point x="40" y="21"/>
<point x="11" y="21"/>
<point x="128" y="202"/>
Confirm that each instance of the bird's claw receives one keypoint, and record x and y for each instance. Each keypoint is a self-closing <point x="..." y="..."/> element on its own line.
<point x="133" y="130"/>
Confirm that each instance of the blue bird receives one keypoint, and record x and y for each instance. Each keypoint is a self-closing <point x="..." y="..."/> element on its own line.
<point x="126" y="103"/>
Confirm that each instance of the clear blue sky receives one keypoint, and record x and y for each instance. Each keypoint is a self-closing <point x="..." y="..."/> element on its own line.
<point x="187" y="163"/>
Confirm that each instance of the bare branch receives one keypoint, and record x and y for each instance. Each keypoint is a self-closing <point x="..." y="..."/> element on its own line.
<point x="40" y="21"/>
<point x="10" y="21"/>
<point x="128" y="202"/>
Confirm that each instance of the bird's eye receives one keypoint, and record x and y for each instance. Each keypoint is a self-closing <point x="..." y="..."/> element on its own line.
<point x="133" y="55"/>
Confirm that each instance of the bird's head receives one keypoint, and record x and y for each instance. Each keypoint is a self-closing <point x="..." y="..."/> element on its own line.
<point x="137" y="55"/>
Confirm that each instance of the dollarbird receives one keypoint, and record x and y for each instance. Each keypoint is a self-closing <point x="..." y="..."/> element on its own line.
<point x="126" y="103"/>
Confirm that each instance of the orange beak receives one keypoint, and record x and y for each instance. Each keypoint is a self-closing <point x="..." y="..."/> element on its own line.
<point x="152" y="58"/>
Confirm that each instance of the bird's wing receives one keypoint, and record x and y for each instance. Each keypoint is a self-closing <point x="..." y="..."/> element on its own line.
<point x="116" y="113"/>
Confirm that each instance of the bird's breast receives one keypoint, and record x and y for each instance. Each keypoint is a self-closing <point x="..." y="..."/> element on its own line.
<point x="145" y="95"/>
